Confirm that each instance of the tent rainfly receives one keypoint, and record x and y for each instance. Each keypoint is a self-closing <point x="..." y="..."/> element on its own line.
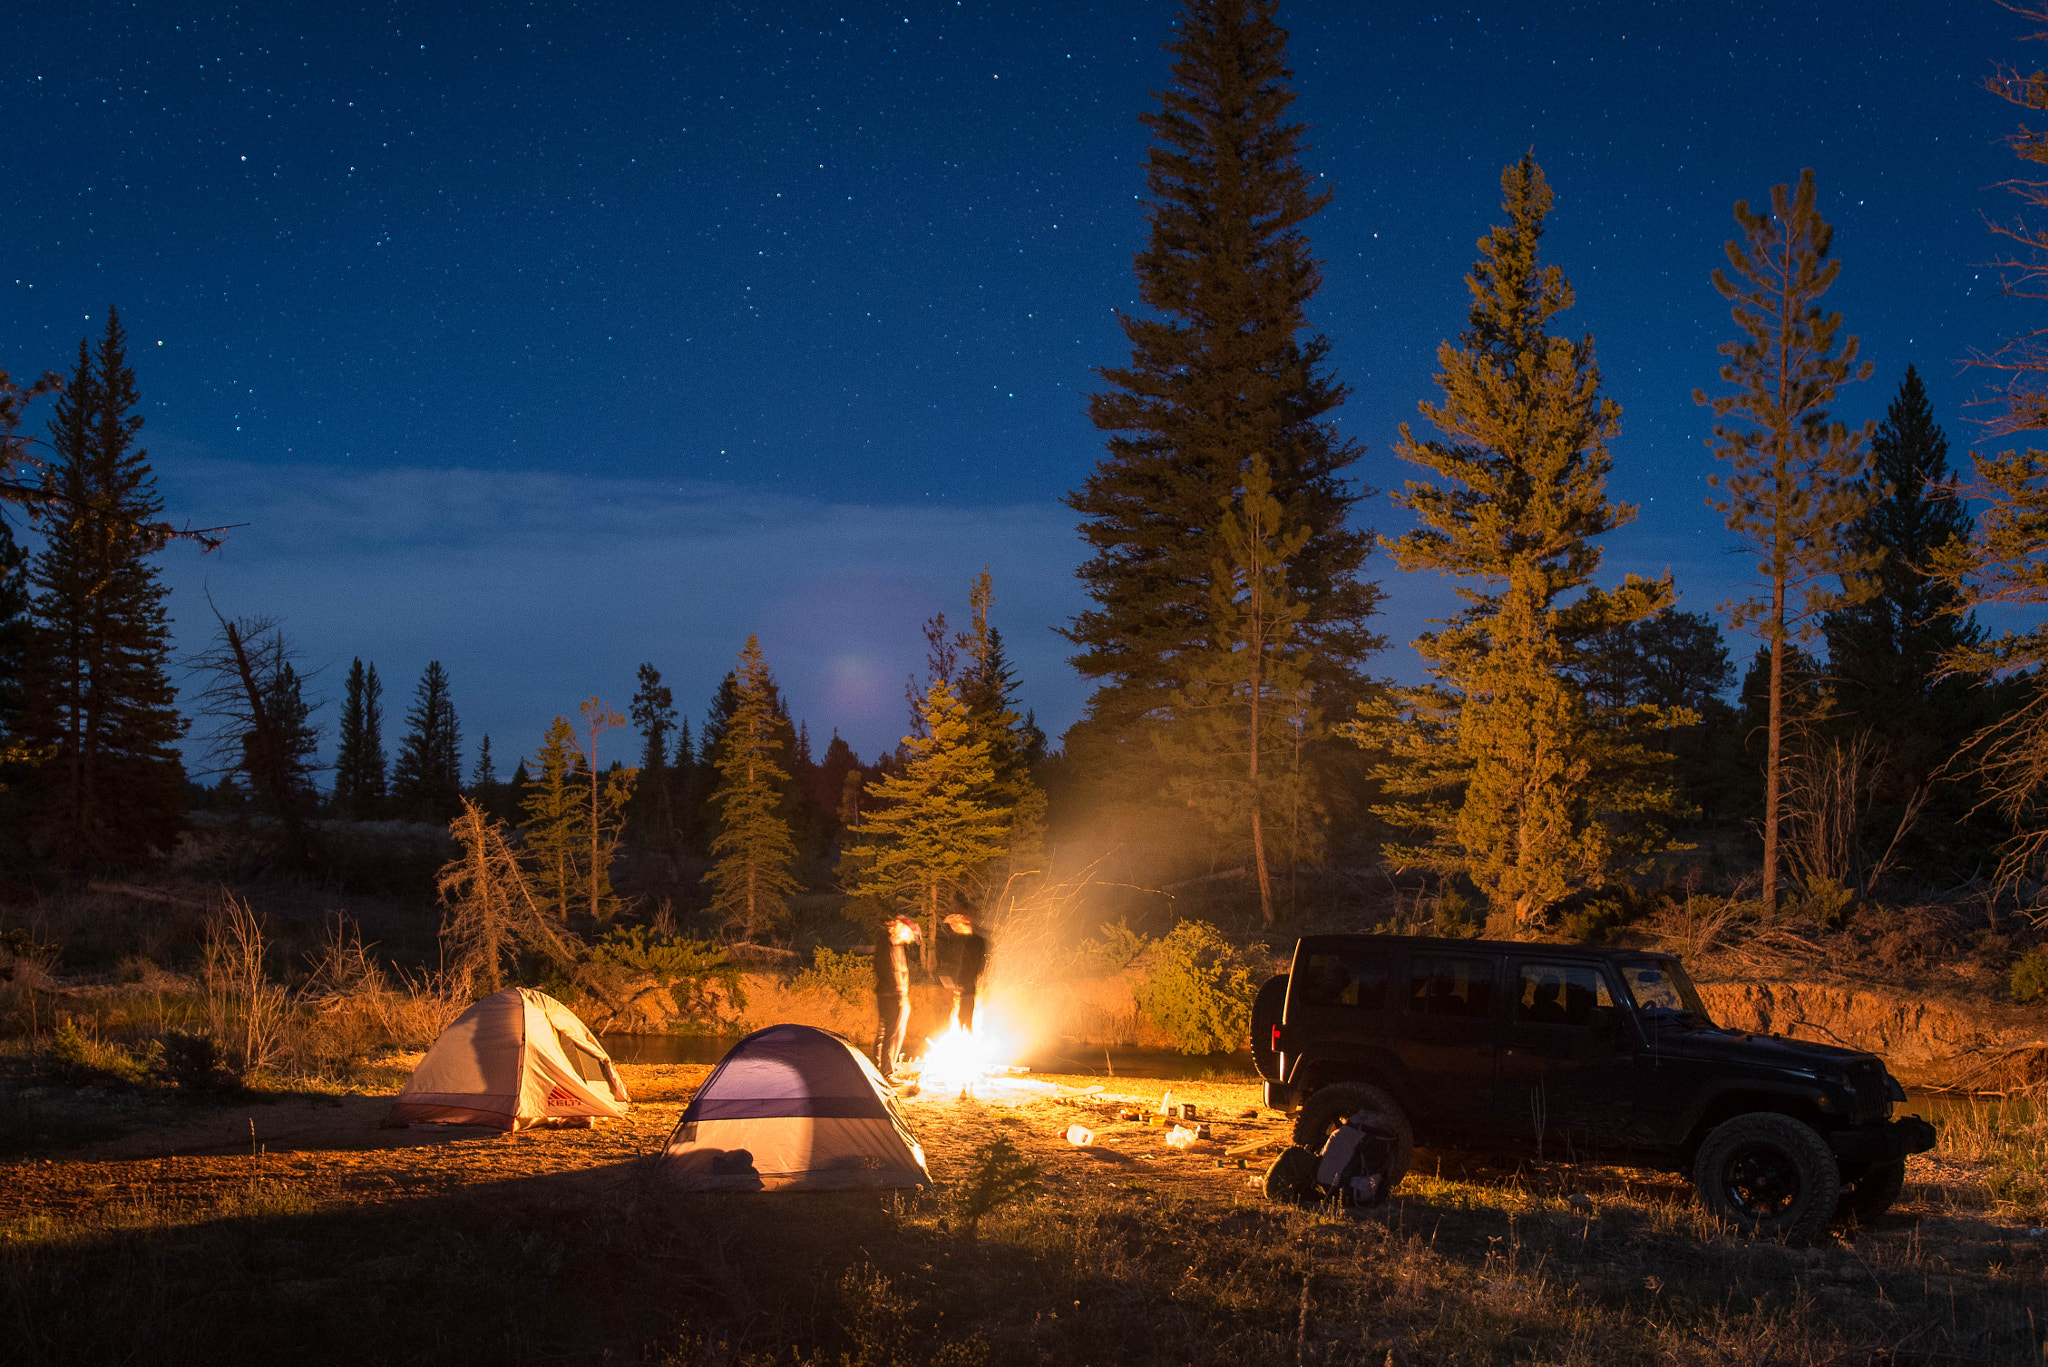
<point x="511" y="1060"/>
<point x="792" y="1108"/>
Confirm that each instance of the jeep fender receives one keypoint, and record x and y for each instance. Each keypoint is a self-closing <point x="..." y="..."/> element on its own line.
<point x="1725" y="1102"/>
<point x="1351" y="1064"/>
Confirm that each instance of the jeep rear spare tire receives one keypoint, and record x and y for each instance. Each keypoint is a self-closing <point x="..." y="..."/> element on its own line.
<point x="1327" y="1107"/>
<point x="1769" y="1175"/>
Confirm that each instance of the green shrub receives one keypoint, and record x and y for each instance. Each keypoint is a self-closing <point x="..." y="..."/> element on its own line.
<point x="1458" y="916"/>
<point x="2029" y="978"/>
<point x="1822" y="902"/>
<point x="846" y="976"/>
<point x="1200" y="990"/>
<point x="696" y="974"/>
<point x="90" y="1061"/>
<point x="198" y="1062"/>
<point x="996" y="1175"/>
<point x="1114" y="950"/>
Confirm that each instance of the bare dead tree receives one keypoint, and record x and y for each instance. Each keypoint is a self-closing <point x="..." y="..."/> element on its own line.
<point x="489" y="911"/>
<point x="2019" y="396"/>
<point x="243" y="668"/>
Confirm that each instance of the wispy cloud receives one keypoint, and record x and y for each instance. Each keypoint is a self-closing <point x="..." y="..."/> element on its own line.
<point x="538" y="590"/>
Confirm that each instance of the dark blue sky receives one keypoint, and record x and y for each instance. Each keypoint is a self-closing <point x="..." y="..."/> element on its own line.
<point x="549" y="339"/>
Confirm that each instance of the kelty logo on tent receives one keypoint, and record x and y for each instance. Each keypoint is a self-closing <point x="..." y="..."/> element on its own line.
<point x="562" y="1096"/>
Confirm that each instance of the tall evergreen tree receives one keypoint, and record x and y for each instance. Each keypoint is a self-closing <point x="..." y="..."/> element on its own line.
<point x="484" y="774"/>
<point x="1885" y="653"/>
<point x="1223" y="371"/>
<point x="1248" y="696"/>
<point x="932" y="826"/>
<point x="554" y="829"/>
<point x="1522" y="782"/>
<point x="751" y="882"/>
<point x="16" y="629"/>
<point x="609" y="792"/>
<point x="359" y="759"/>
<point x="426" y="782"/>
<point x="99" y="694"/>
<point x="1797" y="485"/>
<point x="652" y="820"/>
<point x="987" y="687"/>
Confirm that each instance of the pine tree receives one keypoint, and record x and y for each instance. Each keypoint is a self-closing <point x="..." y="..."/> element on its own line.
<point x="1885" y="653"/>
<point x="1220" y="373"/>
<point x="359" y="759"/>
<point x="652" y="821"/>
<point x="987" y="687"/>
<point x="426" y="782"/>
<point x="1797" y="485"/>
<point x="931" y="827"/>
<point x="1249" y="692"/>
<point x="16" y="629"/>
<point x="1523" y="782"/>
<point x="751" y="882"/>
<point x="99" y="694"/>
<point x="484" y="776"/>
<point x="554" y="827"/>
<point x="609" y="792"/>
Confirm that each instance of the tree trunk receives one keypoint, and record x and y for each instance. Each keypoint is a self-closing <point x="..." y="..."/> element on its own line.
<point x="1772" y="777"/>
<point x="270" y="760"/>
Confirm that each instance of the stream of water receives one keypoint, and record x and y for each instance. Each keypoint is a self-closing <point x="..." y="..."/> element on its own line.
<point x="1075" y="1059"/>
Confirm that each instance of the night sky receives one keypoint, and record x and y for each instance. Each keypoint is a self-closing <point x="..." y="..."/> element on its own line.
<point x="545" y="340"/>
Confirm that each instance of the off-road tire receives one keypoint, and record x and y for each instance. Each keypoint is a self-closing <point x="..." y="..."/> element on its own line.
<point x="1267" y="1008"/>
<point x="1327" y="1106"/>
<point x="1875" y="1192"/>
<point x="1292" y="1176"/>
<point x="1770" y="1176"/>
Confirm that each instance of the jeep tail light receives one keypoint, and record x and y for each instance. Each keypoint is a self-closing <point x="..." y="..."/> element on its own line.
<point x="1276" y="1039"/>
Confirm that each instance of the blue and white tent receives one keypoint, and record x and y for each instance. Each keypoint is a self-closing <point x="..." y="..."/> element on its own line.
<point x="793" y="1108"/>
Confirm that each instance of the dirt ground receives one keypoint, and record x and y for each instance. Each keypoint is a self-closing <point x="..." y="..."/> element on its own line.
<point x="299" y="1229"/>
<point x="334" y="1148"/>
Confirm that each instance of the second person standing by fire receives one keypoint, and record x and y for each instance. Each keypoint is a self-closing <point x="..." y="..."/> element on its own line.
<point x="963" y="957"/>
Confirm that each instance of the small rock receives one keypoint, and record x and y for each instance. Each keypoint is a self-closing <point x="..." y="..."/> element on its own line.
<point x="1579" y="1201"/>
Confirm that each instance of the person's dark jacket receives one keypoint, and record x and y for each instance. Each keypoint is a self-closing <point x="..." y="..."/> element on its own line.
<point x="962" y="958"/>
<point x="892" y="970"/>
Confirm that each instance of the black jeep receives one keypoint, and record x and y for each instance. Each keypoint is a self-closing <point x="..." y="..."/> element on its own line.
<point x="1580" y="1053"/>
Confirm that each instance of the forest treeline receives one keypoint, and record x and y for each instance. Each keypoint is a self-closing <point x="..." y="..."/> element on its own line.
<point x="1844" y="726"/>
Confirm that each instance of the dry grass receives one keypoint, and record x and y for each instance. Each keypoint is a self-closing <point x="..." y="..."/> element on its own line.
<point x="341" y="1242"/>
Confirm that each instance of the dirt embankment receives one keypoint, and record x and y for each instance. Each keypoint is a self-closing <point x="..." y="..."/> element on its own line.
<point x="1928" y="1041"/>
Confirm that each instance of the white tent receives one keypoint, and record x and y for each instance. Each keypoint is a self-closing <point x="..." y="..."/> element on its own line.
<point x="793" y="1108"/>
<point x="514" y="1058"/>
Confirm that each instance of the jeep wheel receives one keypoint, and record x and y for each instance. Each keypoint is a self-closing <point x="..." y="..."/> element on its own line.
<point x="1769" y="1175"/>
<point x="1875" y="1192"/>
<point x="1327" y="1106"/>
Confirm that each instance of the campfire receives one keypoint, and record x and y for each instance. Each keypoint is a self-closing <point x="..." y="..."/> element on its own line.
<point x="970" y="1063"/>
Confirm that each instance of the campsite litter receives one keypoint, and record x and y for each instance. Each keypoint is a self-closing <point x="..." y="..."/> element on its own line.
<point x="1080" y="1136"/>
<point x="515" y="1059"/>
<point x="1180" y="1137"/>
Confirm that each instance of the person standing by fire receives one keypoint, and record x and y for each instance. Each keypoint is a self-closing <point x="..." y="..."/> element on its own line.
<point x="892" y="992"/>
<point x="963" y="957"/>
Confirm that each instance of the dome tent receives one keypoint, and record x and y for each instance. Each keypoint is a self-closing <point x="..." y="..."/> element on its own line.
<point x="513" y="1059"/>
<point x="794" y="1108"/>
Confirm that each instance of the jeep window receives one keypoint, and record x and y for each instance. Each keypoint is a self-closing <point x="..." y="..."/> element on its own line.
<point x="1333" y="980"/>
<point x="1661" y="990"/>
<point x="1562" y="994"/>
<point x="1450" y="987"/>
